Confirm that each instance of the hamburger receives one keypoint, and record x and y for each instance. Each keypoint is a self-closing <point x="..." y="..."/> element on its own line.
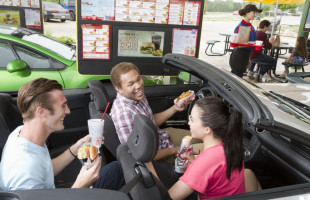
<point x="147" y="47"/>
<point x="87" y="151"/>
<point x="93" y="152"/>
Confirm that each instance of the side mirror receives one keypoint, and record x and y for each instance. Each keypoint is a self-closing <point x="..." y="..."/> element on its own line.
<point x="184" y="76"/>
<point x="18" y="66"/>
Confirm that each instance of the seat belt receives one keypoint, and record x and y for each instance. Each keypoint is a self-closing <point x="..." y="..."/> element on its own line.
<point x="142" y="174"/>
<point x="127" y="188"/>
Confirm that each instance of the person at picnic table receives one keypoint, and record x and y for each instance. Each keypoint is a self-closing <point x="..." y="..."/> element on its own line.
<point x="257" y="56"/>
<point x="240" y="57"/>
<point x="298" y="56"/>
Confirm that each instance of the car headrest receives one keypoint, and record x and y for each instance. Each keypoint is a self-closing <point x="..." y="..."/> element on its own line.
<point x="100" y="95"/>
<point x="143" y="140"/>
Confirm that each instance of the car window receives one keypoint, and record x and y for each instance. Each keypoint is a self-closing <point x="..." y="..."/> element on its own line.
<point x="33" y="59"/>
<point x="53" y="45"/>
<point x="6" y="55"/>
<point x="68" y="2"/>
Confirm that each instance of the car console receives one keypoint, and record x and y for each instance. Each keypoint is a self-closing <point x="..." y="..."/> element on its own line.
<point x="251" y="144"/>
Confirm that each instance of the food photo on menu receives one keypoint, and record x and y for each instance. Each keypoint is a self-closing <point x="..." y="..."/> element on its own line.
<point x="140" y="43"/>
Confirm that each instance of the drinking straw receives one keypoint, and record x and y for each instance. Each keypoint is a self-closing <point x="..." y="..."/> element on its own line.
<point x="105" y="111"/>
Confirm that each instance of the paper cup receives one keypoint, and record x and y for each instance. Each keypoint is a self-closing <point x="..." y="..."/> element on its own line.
<point x="259" y="42"/>
<point x="95" y="128"/>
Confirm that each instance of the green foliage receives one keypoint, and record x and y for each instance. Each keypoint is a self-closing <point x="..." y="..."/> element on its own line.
<point x="221" y="6"/>
<point x="63" y="39"/>
<point x="287" y="6"/>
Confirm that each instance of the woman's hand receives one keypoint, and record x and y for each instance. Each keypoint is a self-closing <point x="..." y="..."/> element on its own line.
<point x="189" y="157"/>
<point x="88" y="176"/>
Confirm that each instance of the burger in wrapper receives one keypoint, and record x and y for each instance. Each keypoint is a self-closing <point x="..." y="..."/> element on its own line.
<point x="86" y="151"/>
<point x="185" y="97"/>
<point x="185" y="148"/>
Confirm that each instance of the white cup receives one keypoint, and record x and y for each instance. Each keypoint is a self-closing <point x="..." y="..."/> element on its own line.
<point x="95" y="128"/>
<point x="259" y="42"/>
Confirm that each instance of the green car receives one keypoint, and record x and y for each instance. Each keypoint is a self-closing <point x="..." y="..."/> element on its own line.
<point x="26" y="55"/>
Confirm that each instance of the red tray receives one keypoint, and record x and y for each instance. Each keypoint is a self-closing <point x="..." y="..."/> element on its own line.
<point x="256" y="47"/>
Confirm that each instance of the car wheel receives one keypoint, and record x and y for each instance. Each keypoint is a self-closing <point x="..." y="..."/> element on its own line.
<point x="72" y="16"/>
<point x="62" y="20"/>
<point x="46" y="19"/>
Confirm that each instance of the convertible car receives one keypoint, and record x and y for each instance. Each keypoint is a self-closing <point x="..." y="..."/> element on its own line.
<point x="277" y="139"/>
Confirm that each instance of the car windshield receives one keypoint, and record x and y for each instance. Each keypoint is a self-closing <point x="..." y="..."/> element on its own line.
<point x="299" y="110"/>
<point x="57" y="47"/>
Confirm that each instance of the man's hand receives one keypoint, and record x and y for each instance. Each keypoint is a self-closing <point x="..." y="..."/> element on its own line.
<point x="75" y="148"/>
<point x="182" y="108"/>
<point x="86" y="176"/>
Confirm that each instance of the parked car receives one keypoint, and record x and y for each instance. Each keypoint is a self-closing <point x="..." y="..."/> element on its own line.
<point x="70" y="5"/>
<point x="276" y="141"/>
<point x="235" y="12"/>
<point x="52" y="10"/>
<point x="26" y="55"/>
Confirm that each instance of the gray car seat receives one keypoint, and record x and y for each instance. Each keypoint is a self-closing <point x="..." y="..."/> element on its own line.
<point x="10" y="118"/>
<point x="141" y="147"/>
<point x="99" y="99"/>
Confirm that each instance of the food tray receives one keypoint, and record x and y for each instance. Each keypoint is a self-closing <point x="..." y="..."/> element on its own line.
<point x="256" y="47"/>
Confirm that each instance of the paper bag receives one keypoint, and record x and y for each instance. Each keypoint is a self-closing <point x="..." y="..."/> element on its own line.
<point x="275" y="41"/>
<point x="243" y="34"/>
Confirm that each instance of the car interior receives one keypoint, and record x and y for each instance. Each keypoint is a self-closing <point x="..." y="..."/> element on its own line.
<point x="277" y="159"/>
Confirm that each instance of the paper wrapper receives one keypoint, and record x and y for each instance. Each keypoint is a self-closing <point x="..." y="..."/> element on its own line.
<point x="185" y="148"/>
<point x="190" y="96"/>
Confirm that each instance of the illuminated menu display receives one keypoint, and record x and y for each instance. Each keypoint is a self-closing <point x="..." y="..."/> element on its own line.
<point x="96" y="41"/>
<point x="134" y="43"/>
<point x="178" y="12"/>
<point x="188" y="45"/>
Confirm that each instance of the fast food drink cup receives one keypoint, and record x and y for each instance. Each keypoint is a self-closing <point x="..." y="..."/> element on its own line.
<point x="95" y="128"/>
<point x="259" y="42"/>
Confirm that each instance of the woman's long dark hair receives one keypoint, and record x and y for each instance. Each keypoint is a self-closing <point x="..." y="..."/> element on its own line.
<point x="301" y="47"/>
<point x="226" y="124"/>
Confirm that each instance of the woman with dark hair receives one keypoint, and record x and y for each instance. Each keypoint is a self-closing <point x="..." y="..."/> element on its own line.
<point x="298" y="56"/>
<point x="219" y="169"/>
<point x="240" y="57"/>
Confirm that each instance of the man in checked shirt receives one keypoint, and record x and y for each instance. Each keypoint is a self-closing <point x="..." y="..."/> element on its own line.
<point x="130" y="100"/>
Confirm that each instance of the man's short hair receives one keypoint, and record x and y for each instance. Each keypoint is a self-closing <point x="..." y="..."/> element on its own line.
<point x="120" y="69"/>
<point x="34" y="94"/>
<point x="264" y="23"/>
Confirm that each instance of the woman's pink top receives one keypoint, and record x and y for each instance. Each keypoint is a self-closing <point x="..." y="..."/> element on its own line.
<point x="207" y="175"/>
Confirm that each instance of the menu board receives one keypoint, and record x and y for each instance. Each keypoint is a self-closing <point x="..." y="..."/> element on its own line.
<point x="32" y="19"/>
<point x="98" y="10"/>
<point x="96" y="41"/>
<point x="10" y="17"/>
<point x="191" y="13"/>
<point x="188" y="37"/>
<point x="177" y="12"/>
<point x="132" y="43"/>
<point x="21" y="3"/>
<point x="23" y="13"/>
